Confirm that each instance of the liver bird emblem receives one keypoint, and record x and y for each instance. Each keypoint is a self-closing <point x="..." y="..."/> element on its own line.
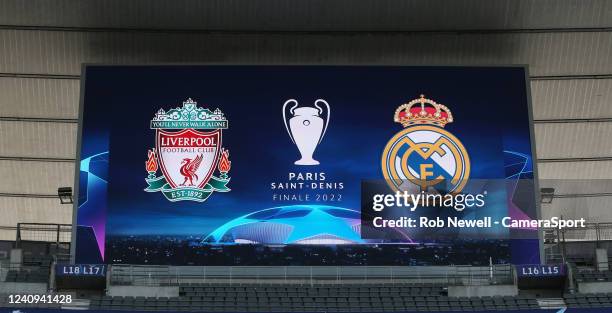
<point x="189" y="168"/>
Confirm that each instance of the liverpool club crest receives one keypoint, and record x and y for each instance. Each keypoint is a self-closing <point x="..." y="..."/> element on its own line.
<point x="187" y="151"/>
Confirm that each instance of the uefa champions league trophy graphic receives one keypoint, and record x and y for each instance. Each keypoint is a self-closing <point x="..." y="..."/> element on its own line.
<point x="306" y="128"/>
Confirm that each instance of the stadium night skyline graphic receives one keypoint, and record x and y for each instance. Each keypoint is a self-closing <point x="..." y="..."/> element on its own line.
<point x="112" y="164"/>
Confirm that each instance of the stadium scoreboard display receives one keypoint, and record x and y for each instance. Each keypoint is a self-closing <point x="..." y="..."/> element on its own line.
<point x="305" y="165"/>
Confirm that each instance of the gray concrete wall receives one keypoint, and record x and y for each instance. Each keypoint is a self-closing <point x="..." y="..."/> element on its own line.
<point x="23" y="288"/>
<point x="601" y="259"/>
<point x="595" y="287"/>
<point x="482" y="291"/>
<point x="16" y="257"/>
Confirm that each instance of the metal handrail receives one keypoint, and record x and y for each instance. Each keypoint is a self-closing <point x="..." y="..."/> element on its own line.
<point x="557" y="240"/>
<point x="181" y="275"/>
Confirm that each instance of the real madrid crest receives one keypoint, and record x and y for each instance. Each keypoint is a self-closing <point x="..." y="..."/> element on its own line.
<point x="423" y="154"/>
<point x="188" y="150"/>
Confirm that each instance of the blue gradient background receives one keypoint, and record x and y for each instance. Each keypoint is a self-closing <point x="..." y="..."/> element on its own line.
<point x="489" y="106"/>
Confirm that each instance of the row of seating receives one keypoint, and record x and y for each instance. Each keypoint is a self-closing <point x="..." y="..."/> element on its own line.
<point x="38" y="260"/>
<point x="37" y="275"/>
<point x="306" y="304"/>
<point x="305" y="299"/>
<point x="590" y="276"/>
<point x="300" y="287"/>
<point x="31" y="305"/>
<point x="311" y="290"/>
<point x="596" y="300"/>
<point x="495" y="299"/>
<point x="243" y="288"/>
<point x="330" y="293"/>
<point x="394" y="298"/>
<point x="4" y="303"/>
<point x="319" y="285"/>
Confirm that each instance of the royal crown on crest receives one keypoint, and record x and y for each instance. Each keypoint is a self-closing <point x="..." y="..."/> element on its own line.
<point x="422" y="111"/>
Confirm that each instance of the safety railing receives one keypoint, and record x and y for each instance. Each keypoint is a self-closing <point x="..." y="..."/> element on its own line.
<point x="558" y="241"/>
<point x="43" y="232"/>
<point x="591" y="232"/>
<point x="183" y="275"/>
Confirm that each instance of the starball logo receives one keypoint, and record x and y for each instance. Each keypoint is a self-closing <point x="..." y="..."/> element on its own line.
<point x="423" y="154"/>
<point x="188" y="150"/>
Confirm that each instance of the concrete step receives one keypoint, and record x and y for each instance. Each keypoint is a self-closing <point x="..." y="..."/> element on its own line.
<point x="77" y="304"/>
<point x="552" y="303"/>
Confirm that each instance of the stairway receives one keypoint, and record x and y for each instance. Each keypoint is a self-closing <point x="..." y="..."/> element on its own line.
<point x="552" y="303"/>
<point x="76" y="304"/>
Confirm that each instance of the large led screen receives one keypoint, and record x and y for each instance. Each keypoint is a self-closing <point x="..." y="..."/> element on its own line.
<point x="297" y="165"/>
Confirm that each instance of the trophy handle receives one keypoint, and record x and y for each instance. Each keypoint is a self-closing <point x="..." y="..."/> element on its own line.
<point x="328" y="113"/>
<point x="295" y="104"/>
